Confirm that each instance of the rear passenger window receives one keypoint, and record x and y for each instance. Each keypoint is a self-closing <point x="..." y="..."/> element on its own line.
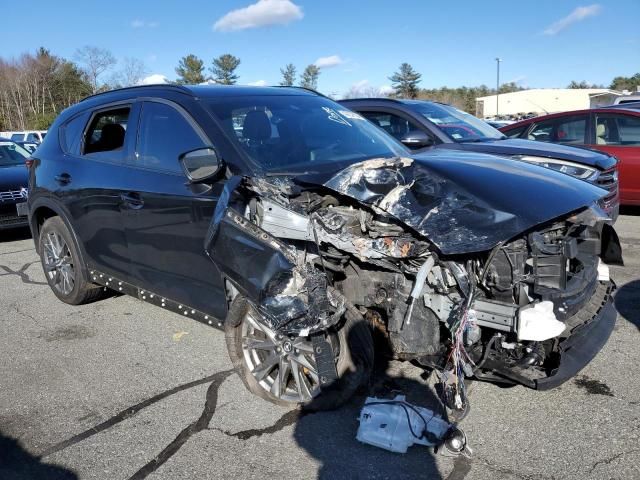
<point x="72" y="134"/>
<point x="617" y="129"/>
<point x="164" y="135"/>
<point x="107" y="131"/>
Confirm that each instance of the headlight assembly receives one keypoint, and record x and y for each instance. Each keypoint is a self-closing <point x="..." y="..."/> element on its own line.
<point x="574" y="169"/>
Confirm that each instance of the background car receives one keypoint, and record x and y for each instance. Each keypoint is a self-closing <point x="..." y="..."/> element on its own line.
<point x="30" y="136"/>
<point x="625" y="99"/>
<point x="13" y="184"/>
<point x="612" y="130"/>
<point x="28" y="146"/>
<point x="421" y="124"/>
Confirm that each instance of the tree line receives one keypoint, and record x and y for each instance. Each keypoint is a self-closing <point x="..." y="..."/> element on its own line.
<point x="35" y="88"/>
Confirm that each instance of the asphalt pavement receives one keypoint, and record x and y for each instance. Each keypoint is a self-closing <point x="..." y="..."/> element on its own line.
<point x="121" y="389"/>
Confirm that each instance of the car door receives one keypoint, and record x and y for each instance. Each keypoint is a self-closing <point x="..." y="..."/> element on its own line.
<point x="166" y="217"/>
<point x="87" y="182"/>
<point x="618" y="134"/>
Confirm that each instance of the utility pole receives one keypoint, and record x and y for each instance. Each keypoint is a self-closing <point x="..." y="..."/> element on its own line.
<point x="498" y="60"/>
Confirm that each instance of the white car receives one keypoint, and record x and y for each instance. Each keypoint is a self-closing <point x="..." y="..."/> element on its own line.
<point x="31" y="136"/>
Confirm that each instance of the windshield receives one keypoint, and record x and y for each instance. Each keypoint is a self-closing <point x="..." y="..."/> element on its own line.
<point x="278" y="132"/>
<point x="459" y="126"/>
<point x="12" y="154"/>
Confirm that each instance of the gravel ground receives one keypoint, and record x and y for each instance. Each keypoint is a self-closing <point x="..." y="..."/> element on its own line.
<point x="121" y="389"/>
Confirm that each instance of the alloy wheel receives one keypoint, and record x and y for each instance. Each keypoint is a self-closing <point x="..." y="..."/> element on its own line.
<point x="283" y="366"/>
<point x="58" y="263"/>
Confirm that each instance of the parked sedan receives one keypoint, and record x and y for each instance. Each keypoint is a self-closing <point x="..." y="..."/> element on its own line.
<point x="421" y="124"/>
<point x="615" y="131"/>
<point x="13" y="184"/>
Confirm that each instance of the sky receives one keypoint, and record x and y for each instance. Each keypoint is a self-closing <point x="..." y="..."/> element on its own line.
<point x="546" y="43"/>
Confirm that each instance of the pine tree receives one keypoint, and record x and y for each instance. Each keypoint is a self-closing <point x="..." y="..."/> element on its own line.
<point x="288" y="75"/>
<point x="190" y="70"/>
<point x="224" y="68"/>
<point x="309" y="78"/>
<point x="405" y="81"/>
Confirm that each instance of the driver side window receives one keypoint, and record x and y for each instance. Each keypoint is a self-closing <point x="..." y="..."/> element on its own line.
<point x="164" y="135"/>
<point x="394" y="125"/>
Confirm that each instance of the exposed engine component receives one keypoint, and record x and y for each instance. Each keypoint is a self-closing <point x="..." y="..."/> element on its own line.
<point x="501" y="315"/>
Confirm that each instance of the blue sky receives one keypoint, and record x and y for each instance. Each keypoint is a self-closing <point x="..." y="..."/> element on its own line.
<point x="546" y="43"/>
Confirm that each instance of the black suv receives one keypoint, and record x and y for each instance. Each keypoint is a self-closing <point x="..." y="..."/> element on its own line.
<point x="294" y="224"/>
<point x="421" y="124"/>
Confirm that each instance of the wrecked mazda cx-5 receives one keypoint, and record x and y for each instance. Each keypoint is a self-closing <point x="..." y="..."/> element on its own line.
<point x="301" y="229"/>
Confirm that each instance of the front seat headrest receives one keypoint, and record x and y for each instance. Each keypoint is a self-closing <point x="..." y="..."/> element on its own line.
<point x="112" y="136"/>
<point x="256" y="127"/>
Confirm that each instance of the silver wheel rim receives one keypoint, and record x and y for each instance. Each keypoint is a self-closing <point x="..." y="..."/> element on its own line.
<point x="284" y="367"/>
<point x="58" y="263"/>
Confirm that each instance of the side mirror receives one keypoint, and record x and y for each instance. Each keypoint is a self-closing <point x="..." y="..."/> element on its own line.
<point x="200" y="165"/>
<point x="416" y="139"/>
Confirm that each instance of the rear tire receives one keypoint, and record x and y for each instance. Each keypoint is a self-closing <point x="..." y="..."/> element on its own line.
<point x="63" y="266"/>
<point x="352" y="343"/>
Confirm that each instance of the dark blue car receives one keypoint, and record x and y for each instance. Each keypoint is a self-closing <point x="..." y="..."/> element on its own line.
<point x="420" y="124"/>
<point x="13" y="185"/>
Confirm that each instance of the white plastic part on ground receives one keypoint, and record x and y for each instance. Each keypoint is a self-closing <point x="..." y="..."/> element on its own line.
<point x="538" y="322"/>
<point x="384" y="423"/>
<point x="603" y="271"/>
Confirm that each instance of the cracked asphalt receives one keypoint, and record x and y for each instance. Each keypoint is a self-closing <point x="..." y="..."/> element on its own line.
<point x="120" y="389"/>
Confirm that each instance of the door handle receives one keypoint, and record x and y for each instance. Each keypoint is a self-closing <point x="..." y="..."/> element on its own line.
<point x="132" y="200"/>
<point x="63" y="179"/>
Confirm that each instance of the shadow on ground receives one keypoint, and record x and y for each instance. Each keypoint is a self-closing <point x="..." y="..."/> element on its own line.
<point x="15" y="234"/>
<point x="330" y="437"/>
<point x="18" y="464"/>
<point x="627" y="300"/>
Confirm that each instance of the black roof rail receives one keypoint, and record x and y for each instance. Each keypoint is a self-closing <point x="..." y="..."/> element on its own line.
<point x="170" y="86"/>
<point x="379" y="99"/>
<point x="307" y="89"/>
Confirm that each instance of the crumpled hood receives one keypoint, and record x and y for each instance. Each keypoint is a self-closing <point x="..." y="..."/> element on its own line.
<point x="509" y="147"/>
<point x="461" y="202"/>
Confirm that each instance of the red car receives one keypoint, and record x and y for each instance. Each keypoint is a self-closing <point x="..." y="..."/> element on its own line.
<point x="615" y="131"/>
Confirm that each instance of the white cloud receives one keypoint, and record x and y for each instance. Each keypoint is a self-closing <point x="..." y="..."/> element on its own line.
<point x="258" y="83"/>
<point x="143" y="24"/>
<point x="328" y="62"/>
<point x="579" y="14"/>
<point x="154" y="79"/>
<point x="259" y="14"/>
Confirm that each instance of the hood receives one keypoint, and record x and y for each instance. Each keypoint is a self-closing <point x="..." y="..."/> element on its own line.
<point x="460" y="202"/>
<point x="13" y="177"/>
<point x="515" y="146"/>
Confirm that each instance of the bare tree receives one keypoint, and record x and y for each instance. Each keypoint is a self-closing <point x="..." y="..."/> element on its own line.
<point x="95" y="61"/>
<point x="132" y="72"/>
<point x="35" y="87"/>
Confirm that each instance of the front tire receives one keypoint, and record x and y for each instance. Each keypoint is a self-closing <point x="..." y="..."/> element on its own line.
<point x="63" y="266"/>
<point x="282" y="370"/>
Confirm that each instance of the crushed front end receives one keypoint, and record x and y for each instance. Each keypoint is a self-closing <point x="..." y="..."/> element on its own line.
<point x="455" y="282"/>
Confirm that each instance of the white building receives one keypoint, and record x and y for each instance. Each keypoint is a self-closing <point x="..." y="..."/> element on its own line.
<point x="544" y="100"/>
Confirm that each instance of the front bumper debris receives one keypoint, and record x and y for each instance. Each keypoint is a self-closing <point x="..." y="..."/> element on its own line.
<point x="582" y="346"/>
